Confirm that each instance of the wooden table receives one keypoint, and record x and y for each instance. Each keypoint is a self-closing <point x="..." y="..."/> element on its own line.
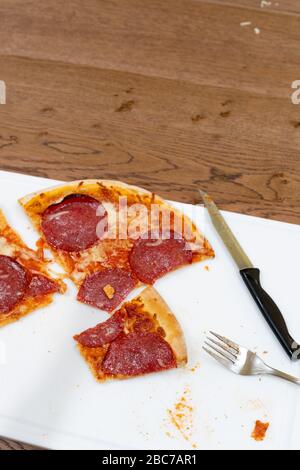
<point x="171" y="95"/>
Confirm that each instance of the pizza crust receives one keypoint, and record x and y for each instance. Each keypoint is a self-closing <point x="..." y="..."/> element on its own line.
<point x="6" y="232"/>
<point x="155" y="304"/>
<point x="37" y="202"/>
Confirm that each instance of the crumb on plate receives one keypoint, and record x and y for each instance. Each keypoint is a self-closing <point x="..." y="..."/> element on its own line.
<point x="259" y="431"/>
<point x="182" y="416"/>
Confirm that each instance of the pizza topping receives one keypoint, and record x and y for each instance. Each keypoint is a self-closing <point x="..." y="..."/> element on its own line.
<point x="152" y="258"/>
<point x="137" y="319"/>
<point x="16" y="282"/>
<point x="41" y="285"/>
<point x="103" y="333"/>
<point x="92" y="290"/>
<point x="13" y="283"/>
<point x="138" y="353"/>
<point x="71" y="225"/>
<point x="144" y="324"/>
<point x="109" y="291"/>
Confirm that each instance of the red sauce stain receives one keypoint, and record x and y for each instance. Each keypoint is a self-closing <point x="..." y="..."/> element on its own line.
<point x="259" y="431"/>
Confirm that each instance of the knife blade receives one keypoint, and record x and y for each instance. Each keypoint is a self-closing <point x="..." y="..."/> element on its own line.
<point x="226" y="234"/>
<point x="251" y="277"/>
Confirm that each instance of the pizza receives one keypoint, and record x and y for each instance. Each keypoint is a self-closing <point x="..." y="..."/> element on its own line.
<point x="25" y="283"/>
<point x="142" y="337"/>
<point x="111" y="237"/>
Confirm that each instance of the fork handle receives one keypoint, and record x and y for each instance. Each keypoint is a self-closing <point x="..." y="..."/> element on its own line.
<point x="270" y="311"/>
<point x="283" y="375"/>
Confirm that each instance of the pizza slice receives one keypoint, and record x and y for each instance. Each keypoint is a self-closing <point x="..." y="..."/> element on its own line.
<point x="25" y="284"/>
<point x="110" y="237"/>
<point x="143" y="336"/>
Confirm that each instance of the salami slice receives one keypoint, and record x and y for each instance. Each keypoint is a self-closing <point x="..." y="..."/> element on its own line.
<point x="151" y="258"/>
<point x="106" y="289"/>
<point x="71" y="225"/>
<point x="41" y="285"/>
<point x="13" y="283"/>
<point x="103" y="333"/>
<point x="138" y="353"/>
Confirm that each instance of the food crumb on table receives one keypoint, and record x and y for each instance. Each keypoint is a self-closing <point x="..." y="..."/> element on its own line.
<point x="265" y="3"/>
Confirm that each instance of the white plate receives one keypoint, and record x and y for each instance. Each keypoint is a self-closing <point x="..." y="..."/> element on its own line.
<point x="49" y="398"/>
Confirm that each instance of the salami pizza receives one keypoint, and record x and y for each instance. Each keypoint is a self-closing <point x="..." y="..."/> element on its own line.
<point x="111" y="237"/>
<point x="142" y="337"/>
<point x="25" y="284"/>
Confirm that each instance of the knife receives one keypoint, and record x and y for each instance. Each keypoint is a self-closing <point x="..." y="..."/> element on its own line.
<point x="251" y="277"/>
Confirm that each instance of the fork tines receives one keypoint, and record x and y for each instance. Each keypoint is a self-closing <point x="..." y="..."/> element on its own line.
<point x="223" y="350"/>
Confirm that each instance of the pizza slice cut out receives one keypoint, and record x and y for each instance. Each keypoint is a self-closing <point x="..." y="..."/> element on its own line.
<point x="142" y="337"/>
<point x="25" y="284"/>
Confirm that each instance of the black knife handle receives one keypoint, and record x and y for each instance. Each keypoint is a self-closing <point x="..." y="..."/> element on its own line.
<point x="270" y="311"/>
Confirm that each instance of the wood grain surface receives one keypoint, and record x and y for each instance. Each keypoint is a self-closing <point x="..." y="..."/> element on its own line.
<point x="171" y="95"/>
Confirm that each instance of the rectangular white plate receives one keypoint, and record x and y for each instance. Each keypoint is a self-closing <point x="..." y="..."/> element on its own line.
<point x="49" y="398"/>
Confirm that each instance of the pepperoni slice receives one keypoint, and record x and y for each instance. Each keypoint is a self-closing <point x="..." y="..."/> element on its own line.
<point x="103" y="333"/>
<point x="71" y="225"/>
<point x="138" y="353"/>
<point x="106" y="289"/>
<point x="151" y="258"/>
<point x="41" y="285"/>
<point x="13" y="283"/>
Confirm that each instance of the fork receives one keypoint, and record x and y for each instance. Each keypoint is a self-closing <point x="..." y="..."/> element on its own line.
<point x="240" y="360"/>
